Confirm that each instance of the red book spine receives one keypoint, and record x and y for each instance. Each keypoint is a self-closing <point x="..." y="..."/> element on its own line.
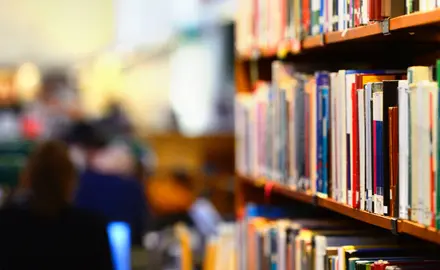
<point x="355" y="157"/>
<point x="357" y="12"/>
<point x="375" y="10"/>
<point x="305" y="17"/>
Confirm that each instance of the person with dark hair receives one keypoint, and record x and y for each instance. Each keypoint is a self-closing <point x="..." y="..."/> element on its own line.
<point x="105" y="190"/>
<point x="40" y="229"/>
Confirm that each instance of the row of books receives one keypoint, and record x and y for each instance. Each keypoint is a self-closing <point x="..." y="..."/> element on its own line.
<point x="220" y="250"/>
<point x="266" y="25"/>
<point x="365" y="138"/>
<point x="318" y="244"/>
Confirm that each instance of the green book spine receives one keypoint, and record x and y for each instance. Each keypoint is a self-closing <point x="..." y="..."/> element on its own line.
<point x="409" y="6"/>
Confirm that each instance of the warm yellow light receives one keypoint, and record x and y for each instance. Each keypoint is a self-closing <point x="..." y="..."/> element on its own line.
<point x="27" y="80"/>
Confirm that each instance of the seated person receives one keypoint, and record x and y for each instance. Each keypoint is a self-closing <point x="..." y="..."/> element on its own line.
<point x="174" y="200"/>
<point x="105" y="190"/>
<point x="39" y="229"/>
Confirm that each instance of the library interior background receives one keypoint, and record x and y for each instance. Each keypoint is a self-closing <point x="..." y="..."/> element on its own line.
<point x="220" y="134"/>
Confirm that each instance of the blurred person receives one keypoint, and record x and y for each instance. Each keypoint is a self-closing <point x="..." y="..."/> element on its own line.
<point x="56" y="106"/>
<point x="176" y="200"/>
<point x="105" y="190"/>
<point x="118" y="124"/>
<point x="40" y="229"/>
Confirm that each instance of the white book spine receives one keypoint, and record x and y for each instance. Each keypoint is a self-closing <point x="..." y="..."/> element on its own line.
<point x="361" y="123"/>
<point x="329" y="18"/>
<point x="282" y="247"/>
<point x="435" y="108"/>
<point x="320" y="251"/>
<point x="368" y="147"/>
<point x="341" y="13"/>
<point x="364" y="15"/>
<point x="343" y="139"/>
<point x="423" y="151"/>
<point x="403" y="150"/>
<point x="414" y="154"/>
<point x="334" y="149"/>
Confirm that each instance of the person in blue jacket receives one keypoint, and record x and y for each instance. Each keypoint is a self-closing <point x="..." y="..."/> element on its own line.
<point x="117" y="197"/>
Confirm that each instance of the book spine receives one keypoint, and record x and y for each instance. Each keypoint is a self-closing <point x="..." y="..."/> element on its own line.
<point x="393" y="157"/>
<point x="403" y="151"/>
<point x="319" y="133"/>
<point x="437" y="191"/>
<point x="349" y="138"/>
<point x="301" y="140"/>
<point x="284" y="137"/>
<point x="313" y="133"/>
<point x="341" y="14"/>
<point x="378" y="156"/>
<point x="413" y="155"/>
<point x="333" y="126"/>
<point x="323" y="7"/>
<point x="362" y="149"/>
<point x="357" y="12"/>
<point x="348" y="14"/>
<point x="306" y="18"/>
<point x="355" y="147"/>
<point x="343" y="138"/>
<point x="335" y="16"/>
<point x="434" y="140"/>
<point x="325" y="135"/>
<point x="369" y="147"/>
<point x="322" y="132"/>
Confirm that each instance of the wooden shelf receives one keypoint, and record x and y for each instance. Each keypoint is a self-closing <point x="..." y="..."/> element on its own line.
<point x="313" y="42"/>
<point x="419" y="231"/>
<point x="373" y="219"/>
<point x="353" y="33"/>
<point x="389" y="223"/>
<point x="415" y="19"/>
<point x="409" y="22"/>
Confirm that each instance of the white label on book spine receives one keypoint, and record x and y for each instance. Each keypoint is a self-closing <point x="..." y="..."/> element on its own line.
<point x="350" y="198"/>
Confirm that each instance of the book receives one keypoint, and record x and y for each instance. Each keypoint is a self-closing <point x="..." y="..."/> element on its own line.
<point x="390" y="99"/>
<point x="403" y="183"/>
<point x="393" y="159"/>
<point x="415" y="75"/>
<point x="437" y="181"/>
<point x="378" y="196"/>
<point x="323" y="124"/>
<point x="362" y="149"/>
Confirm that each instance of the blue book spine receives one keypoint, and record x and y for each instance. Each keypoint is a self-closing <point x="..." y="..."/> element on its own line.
<point x="319" y="82"/>
<point x="322" y="17"/>
<point x="323" y="81"/>
<point x="325" y="132"/>
<point x="273" y="248"/>
<point x="380" y="172"/>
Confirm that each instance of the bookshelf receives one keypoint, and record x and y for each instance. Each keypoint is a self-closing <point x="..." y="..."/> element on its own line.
<point x="409" y="22"/>
<point x="395" y="225"/>
<point x="412" y="28"/>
